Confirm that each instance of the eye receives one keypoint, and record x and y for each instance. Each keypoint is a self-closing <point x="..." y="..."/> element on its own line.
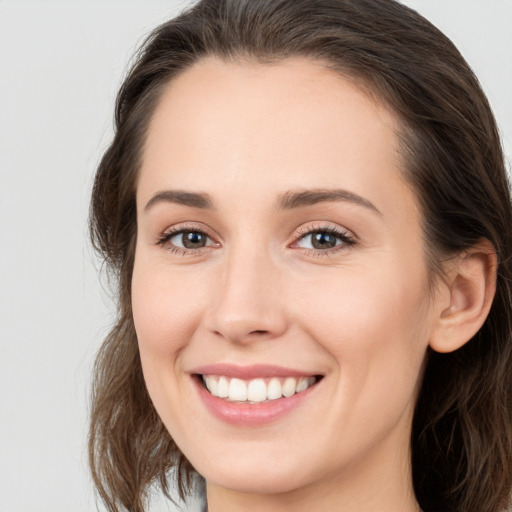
<point x="325" y="239"/>
<point x="189" y="239"/>
<point x="186" y="240"/>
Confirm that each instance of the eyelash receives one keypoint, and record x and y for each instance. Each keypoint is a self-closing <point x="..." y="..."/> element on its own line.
<point x="165" y="237"/>
<point x="347" y="240"/>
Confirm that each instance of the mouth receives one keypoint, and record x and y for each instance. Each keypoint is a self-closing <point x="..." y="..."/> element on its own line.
<point x="258" y="390"/>
<point x="254" y="395"/>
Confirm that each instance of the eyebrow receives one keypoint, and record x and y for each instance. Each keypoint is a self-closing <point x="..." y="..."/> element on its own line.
<point x="192" y="199"/>
<point x="286" y="201"/>
<point x="290" y="200"/>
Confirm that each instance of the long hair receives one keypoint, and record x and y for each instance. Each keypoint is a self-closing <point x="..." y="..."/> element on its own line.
<point x="461" y="440"/>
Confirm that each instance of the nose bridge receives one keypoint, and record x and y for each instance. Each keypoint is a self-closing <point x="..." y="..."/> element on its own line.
<point x="248" y="305"/>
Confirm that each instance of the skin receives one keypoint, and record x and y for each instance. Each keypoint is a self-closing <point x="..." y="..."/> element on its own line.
<point x="362" y="314"/>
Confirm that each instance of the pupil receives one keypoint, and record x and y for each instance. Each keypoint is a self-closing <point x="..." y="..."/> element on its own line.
<point x="323" y="241"/>
<point x="193" y="240"/>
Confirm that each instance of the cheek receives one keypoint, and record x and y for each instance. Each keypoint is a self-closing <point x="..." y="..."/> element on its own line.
<point x="375" y="326"/>
<point x="362" y="307"/>
<point x="166" y="310"/>
<point x="376" y="336"/>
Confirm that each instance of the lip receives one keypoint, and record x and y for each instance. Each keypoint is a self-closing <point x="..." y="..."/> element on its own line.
<point x="249" y="372"/>
<point x="244" y="414"/>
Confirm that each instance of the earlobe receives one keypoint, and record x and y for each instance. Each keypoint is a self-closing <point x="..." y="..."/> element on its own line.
<point x="470" y="288"/>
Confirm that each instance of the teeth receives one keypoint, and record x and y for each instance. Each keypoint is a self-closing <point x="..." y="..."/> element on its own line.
<point x="302" y="385"/>
<point x="237" y="390"/>
<point x="213" y="386"/>
<point x="255" y="390"/>
<point x="223" y="388"/>
<point x="274" y="389"/>
<point x="289" y="387"/>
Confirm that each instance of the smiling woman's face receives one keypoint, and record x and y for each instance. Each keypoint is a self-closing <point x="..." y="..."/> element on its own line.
<point x="280" y="260"/>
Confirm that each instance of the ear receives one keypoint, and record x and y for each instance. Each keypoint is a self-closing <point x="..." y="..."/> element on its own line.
<point x="465" y="298"/>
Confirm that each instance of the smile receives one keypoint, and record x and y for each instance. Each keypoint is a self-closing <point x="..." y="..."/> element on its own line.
<point x="256" y="391"/>
<point x="253" y="395"/>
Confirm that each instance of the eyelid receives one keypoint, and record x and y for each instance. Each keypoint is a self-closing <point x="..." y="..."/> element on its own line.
<point x="348" y="238"/>
<point x="165" y="236"/>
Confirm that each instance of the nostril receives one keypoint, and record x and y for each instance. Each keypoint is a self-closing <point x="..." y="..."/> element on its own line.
<point x="259" y="332"/>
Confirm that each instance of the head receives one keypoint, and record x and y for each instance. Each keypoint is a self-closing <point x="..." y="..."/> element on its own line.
<point x="428" y="118"/>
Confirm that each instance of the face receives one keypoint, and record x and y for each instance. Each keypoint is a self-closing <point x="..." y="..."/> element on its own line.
<point x="280" y="262"/>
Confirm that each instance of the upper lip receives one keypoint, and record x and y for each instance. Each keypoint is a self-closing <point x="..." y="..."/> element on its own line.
<point x="249" y="372"/>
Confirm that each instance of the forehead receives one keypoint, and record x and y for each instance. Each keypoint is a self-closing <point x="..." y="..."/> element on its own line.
<point x="290" y="124"/>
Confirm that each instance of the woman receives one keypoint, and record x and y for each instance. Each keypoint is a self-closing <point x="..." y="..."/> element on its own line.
<point x="306" y="207"/>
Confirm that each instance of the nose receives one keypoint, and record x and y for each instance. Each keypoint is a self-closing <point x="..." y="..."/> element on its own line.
<point x="249" y="304"/>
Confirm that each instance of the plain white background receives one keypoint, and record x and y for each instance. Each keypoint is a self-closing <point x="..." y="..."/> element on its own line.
<point x="60" y="66"/>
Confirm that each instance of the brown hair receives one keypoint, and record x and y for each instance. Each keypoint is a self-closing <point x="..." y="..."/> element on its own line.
<point x="462" y="432"/>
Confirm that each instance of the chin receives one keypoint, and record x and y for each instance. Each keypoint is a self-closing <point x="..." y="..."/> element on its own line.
<point x="254" y="479"/>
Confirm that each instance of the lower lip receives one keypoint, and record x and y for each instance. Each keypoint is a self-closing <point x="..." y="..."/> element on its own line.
<point x="238" y="413"/>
